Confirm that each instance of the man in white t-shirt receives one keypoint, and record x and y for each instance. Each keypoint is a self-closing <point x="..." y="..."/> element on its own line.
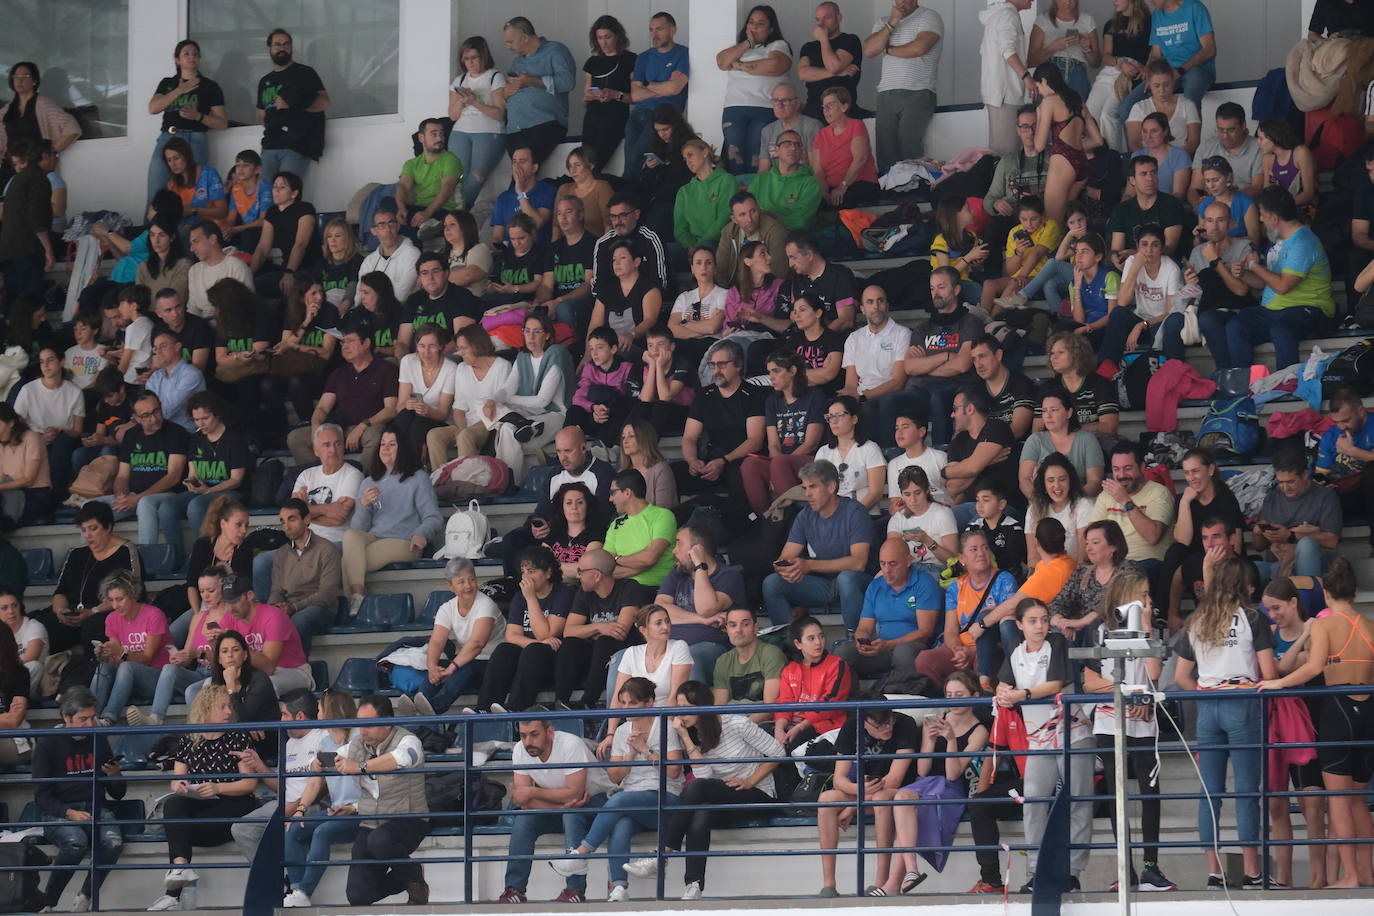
<point x="874" y="369"/>
<point x="909" y="430"/>
<point x="568" y="795"/>
<point x="909" y="40"/>
<point x="395" y="256"/>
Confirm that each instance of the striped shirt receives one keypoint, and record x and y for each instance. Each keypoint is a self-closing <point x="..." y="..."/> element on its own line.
<point x="911" y="73"/>
<point x="739" y="737"/>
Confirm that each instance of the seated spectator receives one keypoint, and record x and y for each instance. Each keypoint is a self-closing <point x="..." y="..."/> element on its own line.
<point x="78" y="602"/>
<point x="664" y="171"/>
<point x="436" y="302"/>
<point x="527" y="195"/>
<point x="862" y="467"/>
<point x="460" y="644"/>
<point x="250" y="196"/>
<point x="1045" y="582"/>
<point x="626" y="226"/>
<point x="395" y="255"/>
<point x="924" y="527"/>
<point x="1175" y="165"/>
<point x="793" y="414"/>
<point x="1216" y="267"/>
<point x="289" y="227"/>
<point x="720" y="739"/>
<point x="641" y="535"/>
<point x="602" y="400"/>
<point x="1345" y="455"/>
<point x="599" y="624"/>
<point x="1150" y="206"/>
<point x="748" y="223"/>
<point x="220" y="541"/>
<point x="386" y="749"/>
<point x="910" y="434"/>
<point x="1144" y="509"/>
<point x="130" y="252"/>
<point x="1151" y="290"/>
<point x="519" y="265"/>
<point x="826" y="557"/>
<point x="724" y="426"/>
<point x="594" y="192"/>
<point x="968" y="600"/>
<point x="15" y="688"/>
<point x="1093" y="292"/>
<point x="1079" y="604"/>
<point x="1011" y="393"/>
<point x="1205" y="495"/>
<point x="469" y="258"/>
<point x="1073" y="364"/>
<point x="309" y="336"/>
<point x="698" y="314"/>
<point x="341" y="257"/>
<point x="377" y="304"/>
<point x="565" y="285"/>
<point x="1299" y="524"/>
<point x="199" y="186"/>
<point x="136" y="351"/>
<point x="1003" y="529"/>
<point x="875" y="373"/>
<point x="75" y="755"/>
<point x="901" y="608"/>
<point x="566" y="795"/>
<point x="1220" y="540"/>
<point x="637" y="739"/>
<point x="831" y="287"/>
<point x="697" y="606"/>
<point x="1056" y="278"/>
<point x="702" y="208"/>
<point x="193" y="330"/>
<point x="1218" y="185"/>
<point x="639" y="451"/>
<point x="543" y="379"/>
<point x="1061" y="435"/>
<point x="425" y="389"/>
<point x="815" y="676"/>
<point x="360" y="397"/>
<point x="523" y="663"/>
<point x="885" y="732"/>
<point x="664" y="661"/>
<point x="981" y="449"/>
<point x="1182" y="119"/>
<point x="1295" y="275"/>
<point x="751" y="671"/>
<point x="481" y="385"/>
<point x="306" y="573"/>
<point x="820" y="349"/>
<point x="630" y="302"/>
<point x="329" y="488"/>
<point x="666" y="385"/>
<point x="54" y="408"/>
<point x="30" y="637"/>
<point x="245" y="332"/>
<point x="203" y="818"/>
<point x="1287" y="164"/>
<point x="396" y="516"/>
<point x="84" y="359"/>
<point x="251" y="692"/>
<point x="1057" y="493"/>
<point x="152" y="463"/>
<point x="167" y="266"/>
<point x="842" y="158"/>
<point x="956" y="245"/>
<point x="427" y="183"/>
<point x="174" y="380"/>
<point x="1029" y="248"/>
<point x="1019" y="173"/>
<point x="1231" y="142"/>
<point x="789" y="190"/>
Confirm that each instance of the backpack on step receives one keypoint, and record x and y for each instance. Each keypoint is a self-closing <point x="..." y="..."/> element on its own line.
<point x="1231" y="428"/>
<point x="469" y="476"/>
<point x="465" y="534"/>
<point x="1133" y="381"/>
<point x="1353" y="367"/>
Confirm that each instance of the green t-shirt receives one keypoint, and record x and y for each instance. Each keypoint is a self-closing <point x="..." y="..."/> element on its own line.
<point x="743" y="681"/>
<point x="1168" y="211"/>
<point x="428" y="176"/>
<point x="632" y="533"/>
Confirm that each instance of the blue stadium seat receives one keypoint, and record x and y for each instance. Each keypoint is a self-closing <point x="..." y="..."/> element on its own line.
<point x="159" y="561"/>
<point x="38" y="561"/>
<point x="319" y="671"/>
<point x="432" y="604"/>
<point x="379" y="613"/>
<point x="358" y="676"/>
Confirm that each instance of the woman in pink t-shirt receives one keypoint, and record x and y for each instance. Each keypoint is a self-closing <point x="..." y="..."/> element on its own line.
<point x="134" y="651"/>
<point x="842" y="157"/>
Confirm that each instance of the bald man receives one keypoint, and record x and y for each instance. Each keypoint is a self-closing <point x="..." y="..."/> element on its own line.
<point x="902" y="612"/>
<point x="1214" y="267"/>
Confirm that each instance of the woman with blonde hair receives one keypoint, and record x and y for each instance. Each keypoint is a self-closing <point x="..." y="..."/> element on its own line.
<point x="703" y="204"/>
<point x="1125" y="50"/>
<point x="341" y="257"/>
<point x="639" y="450"/>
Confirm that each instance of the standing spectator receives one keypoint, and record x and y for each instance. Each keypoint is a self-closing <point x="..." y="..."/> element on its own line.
<point x="386" y="762"/>
<point x="909" y="42"/>
<point x="25" y="248"/>
<point x="134" y="651"/>
<point x="213" y="263"/>
<point x="940" y="357"/>
<point x="523" y="664"/>
<point x="842" y="159"/>
<point x="428" y="181"/>
<point x="750" y="672"/>
<point x="1296" y="278"/>
<point x="191" y="105"/>
<point x="75" y="755"/>
<point x="697" y="593"/>
<point x="598" y="626"/>
<point x="306" y="572"/>
<point x="1332" y="18"/>
<point x="54" y="407"/>
<point x="875" y="372"/>
<point x="478" y="112"/>
<point x="468" y="622"/>
<point x="898" y="621"/>
<point x="1144" y="509"/>
<point x="395" y="255"/>
<point x="527" y="195"/>
<point x="1068" y="143"/>
<point x="793" y="417"/>
<point x="1125" y="49"/>
<point x="1181" y="33"/>
<point x="702" y="208"/>
<point x="833" y="57"/>
<point x="1067" y="37"/>
<point x="826" y="557"/>
<point x="789" y="189"/>
<point x="291" y="105"/>
<point x="1345" y="455"/>
<point x="152" y="463"/>
<point x="360" y="396"/>
<point x="1005" y="79"/>
<point x="1232" y="142"/>
<point x="535" y="95"/>
<point x="661" y="76"/>
<point x="606" y="89"/>
<point x="759" y="61"/>
<point x="396" y="516"/>
<point x="789" y="118"/>
<point x="1299" y="522"/>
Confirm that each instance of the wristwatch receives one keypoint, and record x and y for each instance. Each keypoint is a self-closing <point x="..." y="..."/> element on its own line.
<point x="1129" y="506"/>
<point x="700" y="567"/>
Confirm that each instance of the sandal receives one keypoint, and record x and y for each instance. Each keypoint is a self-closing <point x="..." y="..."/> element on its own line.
<point x="912" y="880"/>
<point x="875" y="891"/>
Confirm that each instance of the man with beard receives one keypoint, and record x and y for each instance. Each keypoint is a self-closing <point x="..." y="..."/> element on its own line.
<point x="724" y="426"/>
<point x="940" y="358"/>
<point x="697" y="594"/>
<point x="873" y="368"/>
<point x="291" y="105"/>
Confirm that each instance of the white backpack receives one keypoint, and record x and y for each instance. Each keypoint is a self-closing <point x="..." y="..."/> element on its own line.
<point x="465" y="534"/>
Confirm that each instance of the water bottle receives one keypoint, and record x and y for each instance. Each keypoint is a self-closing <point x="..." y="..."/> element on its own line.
<point x="190" y="897"/>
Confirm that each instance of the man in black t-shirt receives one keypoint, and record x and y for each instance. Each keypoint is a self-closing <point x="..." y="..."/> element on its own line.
<point x="657" y="386"/>
<point x="980" y="447"/>
<point x="724" y="425"/>
<point x="940" y="358"/>
<point x="835" y="58"/>
<point x="152" y="462"/>
<point x="1013" y="396"/>
<point x="291" y="103"/>
<point x="565" y="283"/>
<point x="437" y="301"/>
<point x="598" y="626"/>
<point x="831" y="286"/>
<point x="197" y="337"/>
<point x="624" y="213"/>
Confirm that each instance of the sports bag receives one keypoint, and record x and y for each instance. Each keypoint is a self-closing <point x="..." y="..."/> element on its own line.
<point x="1133" y="381"/>
<point x="469" y="476"/>
<point x="1353" y="367"/>
<point x="465" y="534"/>
<point x="1231" y="428"/>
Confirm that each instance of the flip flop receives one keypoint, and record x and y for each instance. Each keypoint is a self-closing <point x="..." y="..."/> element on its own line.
<point x="875" y="891"/>
<point x="912" y="880"/>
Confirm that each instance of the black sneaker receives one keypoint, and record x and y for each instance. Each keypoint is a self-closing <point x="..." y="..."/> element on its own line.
<point x="1030" y="885"/>
<point x="1216" y="883"/>
<point x="1152" y="879"/>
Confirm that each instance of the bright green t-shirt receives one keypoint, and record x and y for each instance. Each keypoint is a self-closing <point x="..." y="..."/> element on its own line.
<point x="429" y="176"/>
<point x="632" y="533"/>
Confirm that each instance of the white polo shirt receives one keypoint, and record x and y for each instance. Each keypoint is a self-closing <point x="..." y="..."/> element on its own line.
<point x="872" y="355"/>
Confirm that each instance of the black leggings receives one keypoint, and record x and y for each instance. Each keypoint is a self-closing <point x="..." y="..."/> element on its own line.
<point x="984" y="818"/>
<point x="182" y="837"/>
<point x="695" y="826"/>
<point x="515" y="675"/>
<point x="585" y="661"/>
<point x="1139" y="751"/>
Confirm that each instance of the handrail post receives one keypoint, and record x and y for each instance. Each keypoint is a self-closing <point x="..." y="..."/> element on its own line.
<point x="96" y="795"/>
<point x="281" y="806"/>
<point x="466" y="726"/>
<point x="859" y="718"/>
<point x="1264" y="794"/>
<point x="662" y="790"/>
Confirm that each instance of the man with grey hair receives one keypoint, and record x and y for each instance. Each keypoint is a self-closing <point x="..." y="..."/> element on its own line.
<point x="536" y="92"/>
<point x="724" y="426"/>
<point x="787" y="109"/>
<point x="825" y="560"/>
<point x="565" y="287"/>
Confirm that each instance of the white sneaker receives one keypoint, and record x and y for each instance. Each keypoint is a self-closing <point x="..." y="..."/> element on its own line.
<point x="354" y="602"/>
<point x="498" y="708"/>
<point x="179" y="877"/>
<point x="403" y="706"/>
<point x="693" y="891"/>
<point x="573" y="864"/>
<point x="619" y="894"/>
<point x="422" y="705"/>
<point x="646" y="867"/>
<point x="80" y="904"/>
<point x="165" y="902"/>
<point x="296" y="898"/>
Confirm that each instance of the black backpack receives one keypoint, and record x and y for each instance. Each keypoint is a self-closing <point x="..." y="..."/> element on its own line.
<point x="1353" y="367"/>
<point x="267" y="477"/>
<point x="19" y="892"/>
<point x="450" y="793"/>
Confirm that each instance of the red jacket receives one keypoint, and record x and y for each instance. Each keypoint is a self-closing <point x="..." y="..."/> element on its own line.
<point x="826" y="681"/>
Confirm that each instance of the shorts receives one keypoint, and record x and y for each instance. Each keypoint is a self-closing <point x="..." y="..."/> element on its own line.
<point x="1346" y="720"/>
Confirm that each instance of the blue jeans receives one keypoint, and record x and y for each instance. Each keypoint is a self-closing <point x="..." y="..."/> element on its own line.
<point x="964" y="514"/>
<point x="117" y="687"/>
<point x="880" y="413"/>
<point x="815" y="591"/>
<point x="575" y="313"/>
<point x="158" y="176"/>
<point x="1212" y="323"/>
<point x="262" y="573"/>
<point x="970" y="291"/>
<point x="938" y="394"/>
<point x="1283" y="327"/>
<point x="1053" y="280"/>
<point x="1120" y="323"/>
<point x="704" y="655"/>
<point x="311" y="622"/>
<point x="284" y="160"/>
<point x="171" y="687"/>
<point x="1194" y="86"/>
<point x="621" y="826"/>
<point x="1224" y="722"/>
<point x="465" y="680"/>
<point x="85" y="454"/>
<point x="741" y="125"/>
<point x="195" y="506"/>
<point x="307" y="848"/>
<point x="155" y="512"/>
<point x="528" y="828"/>
<point x="73" y="842"/>
<point x="1310" y="560"/>
<point x="60" y="452"/>
<point x="637" y="129"/>
<point x="479" y="154"/>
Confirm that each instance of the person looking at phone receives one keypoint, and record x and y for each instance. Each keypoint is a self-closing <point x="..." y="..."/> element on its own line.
<point x="661" y="75"/>
<point x="78" y="606"/>
<point x="901" y="608"/>
<point x="1299" y="523"/>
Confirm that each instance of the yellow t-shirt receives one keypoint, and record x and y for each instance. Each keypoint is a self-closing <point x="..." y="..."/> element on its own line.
<point x="1047" y="237"/>
<point x="942" y="246"/>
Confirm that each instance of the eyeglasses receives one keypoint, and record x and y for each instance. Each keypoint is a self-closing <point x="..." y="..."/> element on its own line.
<point x="720" y="363"/>
<point x="1025" y="127"/>
<point x="832" y="417"/>
<point x="149" y="415"/>
<point x="791" y="101"/>
<point x="782" y="143"/>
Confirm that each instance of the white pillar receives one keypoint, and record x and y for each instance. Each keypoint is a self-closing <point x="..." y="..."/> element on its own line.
<point x="713" y="28"/>
<point x="1307" y="7"/>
